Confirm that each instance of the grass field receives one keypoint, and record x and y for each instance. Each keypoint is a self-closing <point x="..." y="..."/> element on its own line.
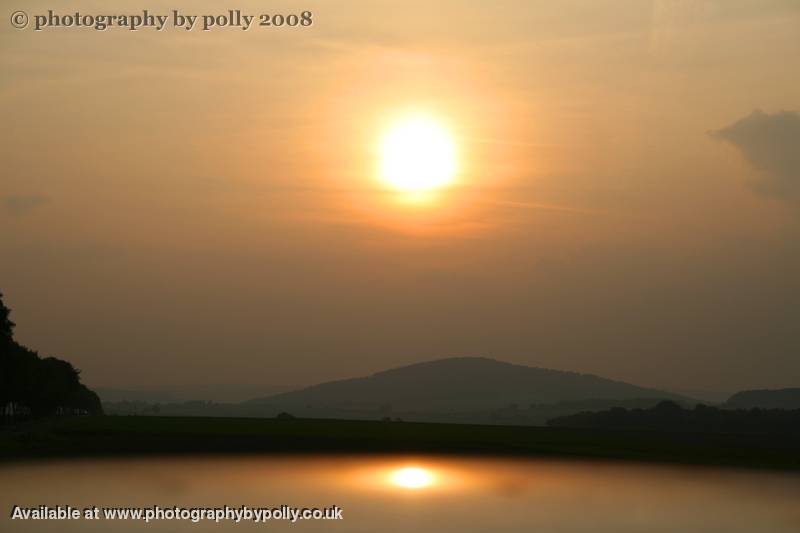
<point x="134" y="435"/>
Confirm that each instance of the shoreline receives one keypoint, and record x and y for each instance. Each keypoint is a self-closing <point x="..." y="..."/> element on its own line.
<point x="114" y="436"/>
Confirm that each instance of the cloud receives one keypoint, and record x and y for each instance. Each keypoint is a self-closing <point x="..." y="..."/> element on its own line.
<point x="22" y="204"/>
<point x="771" y="144"/>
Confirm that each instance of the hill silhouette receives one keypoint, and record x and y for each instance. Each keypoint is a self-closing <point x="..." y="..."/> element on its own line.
<point x="765" y="399"/>
<point x="459" y="384"/>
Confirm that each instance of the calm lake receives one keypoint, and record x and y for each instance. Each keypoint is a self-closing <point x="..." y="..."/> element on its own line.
<point x="416" y="494"/>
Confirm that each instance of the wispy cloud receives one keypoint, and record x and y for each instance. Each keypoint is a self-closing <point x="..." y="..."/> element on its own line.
<point x="22" y="204"/>
<point x="771" y="144"/>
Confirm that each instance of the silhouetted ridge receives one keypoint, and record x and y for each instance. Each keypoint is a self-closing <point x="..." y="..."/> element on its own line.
<point x="765" y="399"/>
<point x="459" y="384"/>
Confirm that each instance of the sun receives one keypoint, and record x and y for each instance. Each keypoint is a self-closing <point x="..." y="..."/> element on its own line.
<point x="417" y="154"/>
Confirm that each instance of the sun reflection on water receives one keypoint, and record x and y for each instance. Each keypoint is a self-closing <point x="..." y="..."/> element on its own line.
<point x="412" y="478"/>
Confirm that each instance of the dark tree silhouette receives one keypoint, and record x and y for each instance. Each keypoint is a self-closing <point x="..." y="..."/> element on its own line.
<point x="6" y="325"/>
<point x="669" y="416"/>
<point x="32" y="386"/>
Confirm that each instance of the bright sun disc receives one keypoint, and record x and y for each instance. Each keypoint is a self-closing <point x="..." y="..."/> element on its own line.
<point x="412" y="478"/>
<point x="417" y="154"/>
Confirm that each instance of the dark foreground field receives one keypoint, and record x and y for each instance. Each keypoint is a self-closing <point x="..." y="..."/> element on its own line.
<point x="116" y="435"/>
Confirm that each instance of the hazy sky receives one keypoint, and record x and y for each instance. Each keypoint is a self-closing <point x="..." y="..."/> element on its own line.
<point x="186" y="207"/>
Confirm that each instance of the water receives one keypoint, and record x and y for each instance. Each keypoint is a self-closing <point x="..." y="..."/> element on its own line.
<point x="448" y="494"/>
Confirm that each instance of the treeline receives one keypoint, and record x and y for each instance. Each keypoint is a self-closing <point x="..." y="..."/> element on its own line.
<point x="669" y="416"/>
<point x="32" y="386"/>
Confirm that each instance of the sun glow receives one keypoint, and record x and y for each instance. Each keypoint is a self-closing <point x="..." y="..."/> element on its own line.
<point x="412" y="478"/>
<point x="416" y="155"/>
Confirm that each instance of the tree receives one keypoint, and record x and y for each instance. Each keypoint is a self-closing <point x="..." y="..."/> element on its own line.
<point x="6" y="325"/>
<point x="6" y="345"/>
<point x="36" y="386"/>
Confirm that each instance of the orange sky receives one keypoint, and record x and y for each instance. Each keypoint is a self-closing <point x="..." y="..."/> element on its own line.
<point x="189" y="207"/>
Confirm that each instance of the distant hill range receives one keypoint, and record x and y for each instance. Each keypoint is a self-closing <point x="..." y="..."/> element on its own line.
<point x="473" y="390"/>
<point x="221" y="393"/>
<point x="765" y="399"/>
<point x="459" y="385"/>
